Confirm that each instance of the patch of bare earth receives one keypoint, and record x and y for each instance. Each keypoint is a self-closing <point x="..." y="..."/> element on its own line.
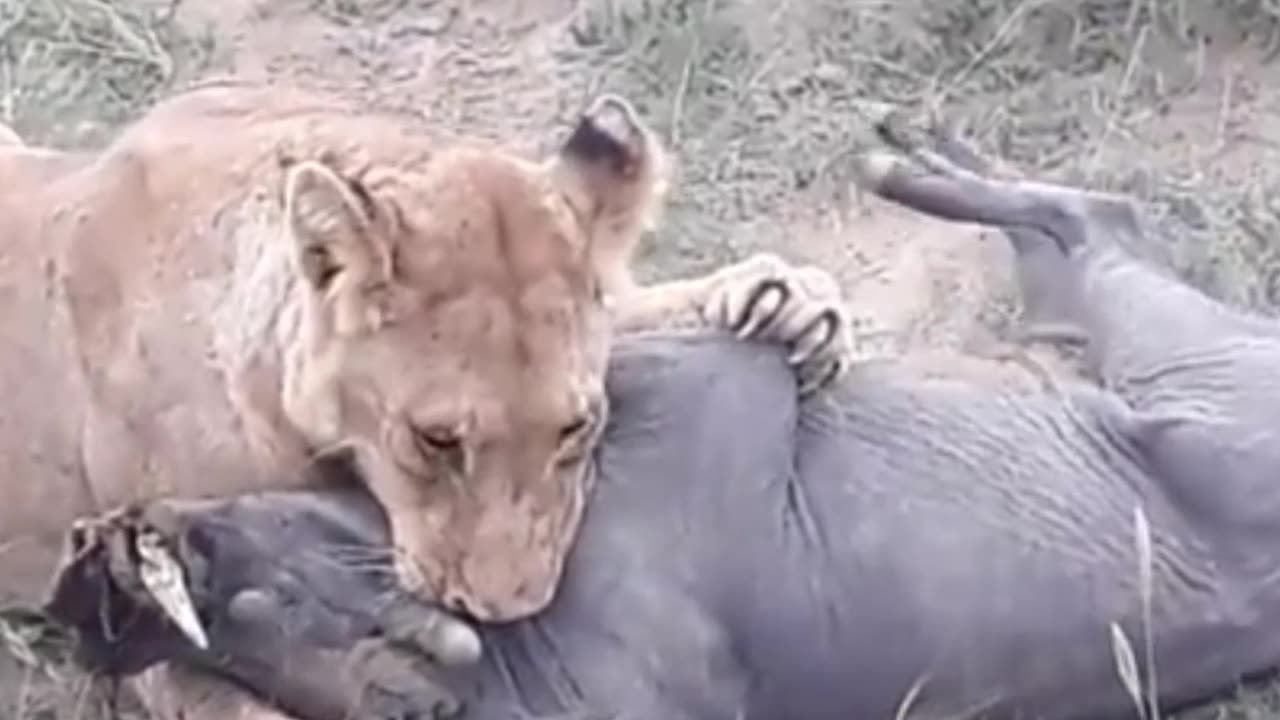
<point x="764" y="103"/>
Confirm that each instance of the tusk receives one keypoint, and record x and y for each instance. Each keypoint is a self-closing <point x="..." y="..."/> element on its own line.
<point x="163" y="578"/>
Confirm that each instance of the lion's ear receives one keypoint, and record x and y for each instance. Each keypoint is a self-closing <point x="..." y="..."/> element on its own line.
<point x="329" y="219"/>
<point x="614" y="170"/>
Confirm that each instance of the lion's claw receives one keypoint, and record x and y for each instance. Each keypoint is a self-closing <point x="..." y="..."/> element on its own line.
<point x="764" y="301"/>
<point x="766" y="298"/>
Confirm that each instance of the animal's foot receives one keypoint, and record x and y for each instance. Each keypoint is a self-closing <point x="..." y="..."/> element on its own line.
<point x="917" y="145"/>
<point x="766" y="298"/>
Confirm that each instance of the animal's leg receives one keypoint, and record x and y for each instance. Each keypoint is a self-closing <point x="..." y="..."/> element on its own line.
<point x="1147" y="332"/>
<point x="1200" y="375"/>
<point x="762" y="297"/>
<point x="1048" y="282"/>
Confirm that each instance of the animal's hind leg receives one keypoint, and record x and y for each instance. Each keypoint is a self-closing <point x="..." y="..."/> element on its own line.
<point x="1146" y="331"/>
<point x="1200" y="376"/>
<point x="1046" y="276"/>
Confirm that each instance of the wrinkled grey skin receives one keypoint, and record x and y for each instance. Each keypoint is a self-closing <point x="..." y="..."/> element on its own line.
<point x="750" y="555"/>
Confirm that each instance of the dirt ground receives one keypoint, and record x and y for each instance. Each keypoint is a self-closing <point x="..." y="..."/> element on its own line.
<point x="763" y="102"/>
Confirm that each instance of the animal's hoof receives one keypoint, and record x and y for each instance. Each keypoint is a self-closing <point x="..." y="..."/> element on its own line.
<point x="926" y="141"/>
<point x="898" y="129"/>
<point x="873" y="169"/>
<point x="801" y="307"/>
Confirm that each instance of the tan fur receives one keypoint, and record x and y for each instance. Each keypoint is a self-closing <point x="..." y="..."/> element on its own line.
<point x="249" y="276"/>
<point x="175" y="324"/>
<point x="164" y="338"/>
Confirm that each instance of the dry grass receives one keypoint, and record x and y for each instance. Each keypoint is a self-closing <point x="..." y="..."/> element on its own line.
<point x="764" y="101"/>
<point x="37" y="678"/>
<point x="72" y="70"/>
<point x="768" y="96"/>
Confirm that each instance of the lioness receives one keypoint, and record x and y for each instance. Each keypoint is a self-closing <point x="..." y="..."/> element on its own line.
<point x="257" y="275"/>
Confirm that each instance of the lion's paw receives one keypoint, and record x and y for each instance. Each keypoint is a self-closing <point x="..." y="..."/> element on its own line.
<point x="766" y="298"/>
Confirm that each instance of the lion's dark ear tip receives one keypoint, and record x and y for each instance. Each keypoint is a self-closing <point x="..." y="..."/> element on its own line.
<point x="608" y="131"/>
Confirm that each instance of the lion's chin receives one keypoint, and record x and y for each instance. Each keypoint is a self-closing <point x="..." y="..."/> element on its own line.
<point x="493" y="561"/>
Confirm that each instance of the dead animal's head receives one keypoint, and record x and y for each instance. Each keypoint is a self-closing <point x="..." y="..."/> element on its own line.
<point x="456" y="336"/>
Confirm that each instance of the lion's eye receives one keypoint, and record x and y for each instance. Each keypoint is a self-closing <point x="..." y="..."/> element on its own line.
<point x="436" y="440"/>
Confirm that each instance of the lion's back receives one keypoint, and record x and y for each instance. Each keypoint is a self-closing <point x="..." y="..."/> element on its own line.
<point x="114" y="270"/>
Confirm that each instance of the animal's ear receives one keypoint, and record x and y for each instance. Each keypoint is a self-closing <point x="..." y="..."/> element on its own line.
<point x="329" y="218"/>
<point x="614" y="170"/>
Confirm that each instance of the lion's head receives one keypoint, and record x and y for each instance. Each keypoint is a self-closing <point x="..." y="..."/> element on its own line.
<point x="456" y="334"/>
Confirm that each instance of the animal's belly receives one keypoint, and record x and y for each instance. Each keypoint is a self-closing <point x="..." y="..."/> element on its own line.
<point x="981" y="552"/>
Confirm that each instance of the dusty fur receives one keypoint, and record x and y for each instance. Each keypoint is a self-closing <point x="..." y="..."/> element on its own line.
<point x="250" y="276"/>
<point x="182" y="260"/>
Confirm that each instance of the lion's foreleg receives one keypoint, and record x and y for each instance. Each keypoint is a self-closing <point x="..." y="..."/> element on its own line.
<point x="762" y="297"/>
